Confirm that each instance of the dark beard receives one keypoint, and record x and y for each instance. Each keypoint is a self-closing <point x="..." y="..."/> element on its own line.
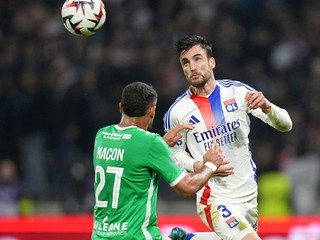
<point x="201" y="83"/>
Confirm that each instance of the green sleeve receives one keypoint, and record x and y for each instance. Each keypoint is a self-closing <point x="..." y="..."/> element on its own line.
<point x="161" y="161"/>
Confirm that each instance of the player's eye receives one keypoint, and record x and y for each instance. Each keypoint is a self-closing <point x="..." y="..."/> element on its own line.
<point x="185" y="63"/>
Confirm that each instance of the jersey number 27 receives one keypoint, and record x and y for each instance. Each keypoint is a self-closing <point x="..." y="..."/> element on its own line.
<point x="116" y="187"/>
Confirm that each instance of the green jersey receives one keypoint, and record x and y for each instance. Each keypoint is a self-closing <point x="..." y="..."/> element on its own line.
<point x="128" y="164"/>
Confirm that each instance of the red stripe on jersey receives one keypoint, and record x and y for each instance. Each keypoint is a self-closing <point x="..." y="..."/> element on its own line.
<point x="205" y="109"/>
<point x="205" y="195"/>
<point x="207" y="211"/>
<point x="204" y="200"/>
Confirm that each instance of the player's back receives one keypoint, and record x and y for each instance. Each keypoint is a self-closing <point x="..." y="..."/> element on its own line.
<point x="125" y="185"/>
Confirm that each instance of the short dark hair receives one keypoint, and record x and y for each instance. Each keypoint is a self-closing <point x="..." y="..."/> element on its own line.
<point x="136" y="98"/>
<point x="192" y="40"/>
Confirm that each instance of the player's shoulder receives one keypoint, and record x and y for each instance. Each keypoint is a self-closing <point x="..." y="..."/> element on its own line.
<point x="108" y="128"/>
<point x="153" y="139"/>
<point x="124" y="132"/>
<point x="234" y="84"/>
<point x="181" y="99"/>
<point x="149" y="135"/>
<point x="144" y="135"/>
<point x="180" y="103"/>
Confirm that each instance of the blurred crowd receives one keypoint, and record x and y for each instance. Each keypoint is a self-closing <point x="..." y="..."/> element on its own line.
<point x="57" y="90"/>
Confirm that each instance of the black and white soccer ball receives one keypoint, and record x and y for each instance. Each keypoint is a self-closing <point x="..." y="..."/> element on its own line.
<point x="83" y="17"/>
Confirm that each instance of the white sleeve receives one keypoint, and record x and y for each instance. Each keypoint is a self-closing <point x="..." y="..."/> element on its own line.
<point x="181" y="155"/>
<point x="280" y="119"/>
<point x="185" y="159"/>
<point x="179" y="150"/>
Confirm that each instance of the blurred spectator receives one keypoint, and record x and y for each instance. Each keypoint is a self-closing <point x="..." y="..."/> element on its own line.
<point x="10" y="188"/>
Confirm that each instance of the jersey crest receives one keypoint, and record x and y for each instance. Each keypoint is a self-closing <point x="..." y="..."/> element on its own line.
<point x="231" y="105"/>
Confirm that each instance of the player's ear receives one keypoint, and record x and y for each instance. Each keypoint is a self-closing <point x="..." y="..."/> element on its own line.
<point x="212" y="62"/>
<point x="120" y="107"/>
<point x="152" y="111"/>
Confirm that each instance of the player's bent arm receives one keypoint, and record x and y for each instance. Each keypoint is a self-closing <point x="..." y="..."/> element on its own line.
<point x="193" y="182"/>
<point x="260" y="107"/>
<point x="279" y="118"/>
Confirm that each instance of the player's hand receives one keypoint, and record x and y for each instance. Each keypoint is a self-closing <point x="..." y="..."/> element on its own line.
<point x="256" y="100"/>
<point x="174" y="134"/>
<point x="224" y="170"/>
<point x="215" y="155"/>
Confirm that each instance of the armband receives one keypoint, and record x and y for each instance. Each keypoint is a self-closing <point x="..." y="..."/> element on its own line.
<point x="211" y="166"/>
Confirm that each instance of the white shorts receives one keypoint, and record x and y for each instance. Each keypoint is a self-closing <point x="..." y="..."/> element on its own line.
<point x="230" y="220"/>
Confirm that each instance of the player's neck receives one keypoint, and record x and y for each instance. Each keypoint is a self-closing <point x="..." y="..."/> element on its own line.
<point x="140" y="122"/>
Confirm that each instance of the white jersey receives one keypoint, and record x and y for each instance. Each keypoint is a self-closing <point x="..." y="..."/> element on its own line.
<point x="222" y="118"/>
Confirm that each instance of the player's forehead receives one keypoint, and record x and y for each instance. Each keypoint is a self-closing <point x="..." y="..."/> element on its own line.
<point x="192" y="52"/>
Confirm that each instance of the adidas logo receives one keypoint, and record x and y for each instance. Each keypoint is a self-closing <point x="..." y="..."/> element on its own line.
<point x="193" y="120"/>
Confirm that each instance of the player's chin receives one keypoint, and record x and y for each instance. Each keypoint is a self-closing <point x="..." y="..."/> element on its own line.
<point x="198" y="84"/>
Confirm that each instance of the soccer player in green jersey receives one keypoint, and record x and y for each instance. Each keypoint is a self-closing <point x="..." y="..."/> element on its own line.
<point x="128" y="163"/>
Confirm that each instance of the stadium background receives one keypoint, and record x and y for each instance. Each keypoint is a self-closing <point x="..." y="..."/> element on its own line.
<point x="56" y="90"/>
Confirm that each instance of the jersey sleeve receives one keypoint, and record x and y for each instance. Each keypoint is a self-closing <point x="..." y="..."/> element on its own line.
<point x="162" y="160"/>
<point x="171" y="120"/>
<point x="278" y="118"/>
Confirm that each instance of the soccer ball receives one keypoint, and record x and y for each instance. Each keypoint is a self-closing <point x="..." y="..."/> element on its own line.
<point x="83" y="17"/>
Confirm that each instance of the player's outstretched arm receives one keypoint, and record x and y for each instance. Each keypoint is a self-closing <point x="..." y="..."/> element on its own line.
<point x="194" y="181"/>
<point x="224" y="170"/>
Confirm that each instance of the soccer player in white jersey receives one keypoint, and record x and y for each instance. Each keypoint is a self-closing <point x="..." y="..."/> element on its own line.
<point x="219" y="111"/>
<point x="129" y="161"/>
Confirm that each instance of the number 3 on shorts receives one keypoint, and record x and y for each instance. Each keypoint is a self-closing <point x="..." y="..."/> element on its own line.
<point x="225" y="212"/>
